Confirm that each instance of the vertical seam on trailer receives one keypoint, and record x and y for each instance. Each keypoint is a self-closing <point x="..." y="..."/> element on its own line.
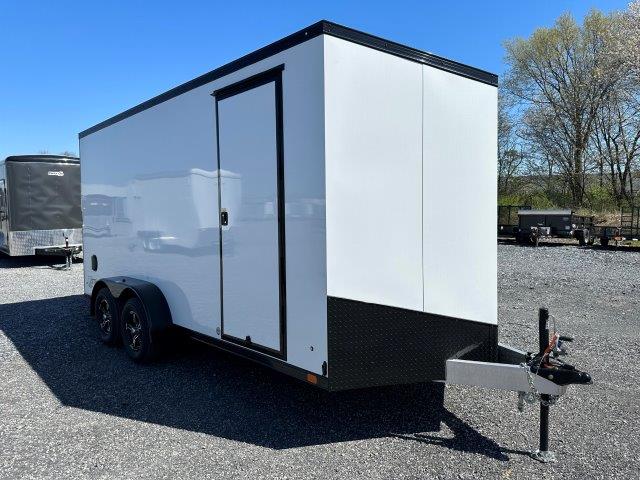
<point x="422" y="189"/>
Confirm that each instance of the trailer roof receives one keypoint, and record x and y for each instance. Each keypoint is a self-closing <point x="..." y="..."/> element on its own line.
<point x="42" y="158"/>
<point x="319" y="28"/>
<point x="545" y="212"/>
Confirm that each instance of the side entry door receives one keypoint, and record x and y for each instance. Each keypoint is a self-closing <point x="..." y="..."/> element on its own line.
<point x="251" y="188"/>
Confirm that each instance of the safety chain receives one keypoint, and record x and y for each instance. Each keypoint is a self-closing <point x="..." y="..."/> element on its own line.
<point x="533" y="395"/>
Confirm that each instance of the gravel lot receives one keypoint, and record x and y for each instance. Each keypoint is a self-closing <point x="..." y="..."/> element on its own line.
<point x="73" y="408"/>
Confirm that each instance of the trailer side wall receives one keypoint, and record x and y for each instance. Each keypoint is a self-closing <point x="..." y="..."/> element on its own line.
<point x="180" y="134"/>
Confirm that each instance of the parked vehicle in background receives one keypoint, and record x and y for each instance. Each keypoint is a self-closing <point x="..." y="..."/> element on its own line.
<point x="40" y="212"/>
<point x="508" y="218"/>
<point x="536" y="225"/>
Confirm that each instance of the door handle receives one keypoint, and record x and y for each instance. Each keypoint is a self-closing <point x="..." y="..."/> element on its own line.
<point x="224" y="217"/>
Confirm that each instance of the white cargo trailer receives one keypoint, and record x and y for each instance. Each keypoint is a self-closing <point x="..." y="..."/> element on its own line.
<point x="319" y="249"/>
<point x="40" y="205"/>
<point x="291" y="207"/>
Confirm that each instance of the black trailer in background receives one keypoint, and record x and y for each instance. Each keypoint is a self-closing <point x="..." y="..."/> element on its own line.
<point x="527" y="225"/>
<point x="40" y="211"/>
<point x="536" y="225"/>
<point x="508" y="218"/>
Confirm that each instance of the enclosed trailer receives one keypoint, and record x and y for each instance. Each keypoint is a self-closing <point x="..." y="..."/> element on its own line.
<point x="323" y="254"/>
<point x="40" y="209"/>
<point x="316" y="170"/>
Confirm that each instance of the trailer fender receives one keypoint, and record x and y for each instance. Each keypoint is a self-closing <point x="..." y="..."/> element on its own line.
<point x="151" y="297"/>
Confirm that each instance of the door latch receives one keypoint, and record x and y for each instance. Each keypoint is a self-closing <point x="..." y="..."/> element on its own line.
<point x="224" y="217"/>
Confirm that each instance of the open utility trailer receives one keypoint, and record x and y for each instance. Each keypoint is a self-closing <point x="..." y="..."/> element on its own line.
<point x="323" y="160"/>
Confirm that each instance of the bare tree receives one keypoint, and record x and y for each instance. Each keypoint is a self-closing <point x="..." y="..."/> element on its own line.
<point x="617" y="142"/>
<point x="561" y="77"/>
<point x="617" y="139"/>
<point x="627" y="38"/>
<point x="510" y="158"/>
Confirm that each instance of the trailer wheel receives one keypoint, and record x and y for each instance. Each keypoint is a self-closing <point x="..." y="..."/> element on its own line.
<point x="106" y="313"/>
<point x="135" y="332"/>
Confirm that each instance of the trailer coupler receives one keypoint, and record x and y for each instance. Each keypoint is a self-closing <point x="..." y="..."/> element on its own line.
<point x="541" y="377"/>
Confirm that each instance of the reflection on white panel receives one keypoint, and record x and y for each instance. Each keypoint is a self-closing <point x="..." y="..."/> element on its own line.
<point x="247" y="129"/>
<point x="167" y="155"/>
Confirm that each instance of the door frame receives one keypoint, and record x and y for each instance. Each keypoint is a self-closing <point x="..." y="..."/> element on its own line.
<point x="263" y="78"/>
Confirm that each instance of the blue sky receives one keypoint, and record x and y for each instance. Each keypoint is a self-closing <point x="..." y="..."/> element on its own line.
<point x="65" y="66"/>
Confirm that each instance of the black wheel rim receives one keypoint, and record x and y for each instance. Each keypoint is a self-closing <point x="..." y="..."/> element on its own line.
<point x="105" y="316"/>
<point x="133" y="331"/>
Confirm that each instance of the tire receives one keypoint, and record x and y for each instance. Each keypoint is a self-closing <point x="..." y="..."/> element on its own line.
<point x="107" y="316"/>
<point x="604" y="242"/>
<point x="136" y="333"/>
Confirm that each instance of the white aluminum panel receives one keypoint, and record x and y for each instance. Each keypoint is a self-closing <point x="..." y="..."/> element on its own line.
<point x="251" y="279"/>
<point x="460" y="189"/>
<point x="373" y="111"/>
<point x="166" y="156"/>
<point x="25" y="242"/>
<point x="498" y="376"/>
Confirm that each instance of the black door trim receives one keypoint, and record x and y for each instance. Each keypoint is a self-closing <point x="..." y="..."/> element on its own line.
<point x="272" y="75"/>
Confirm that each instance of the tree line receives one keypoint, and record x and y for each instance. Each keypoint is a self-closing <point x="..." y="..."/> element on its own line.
<point x="569" y="114"/>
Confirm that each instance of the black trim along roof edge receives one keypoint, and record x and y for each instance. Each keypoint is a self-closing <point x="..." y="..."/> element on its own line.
<point x="319" y="28"/>
<point x="42" y="158"/>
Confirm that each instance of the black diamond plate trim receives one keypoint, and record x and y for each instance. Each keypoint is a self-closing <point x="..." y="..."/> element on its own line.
<point x="373" y="345"/>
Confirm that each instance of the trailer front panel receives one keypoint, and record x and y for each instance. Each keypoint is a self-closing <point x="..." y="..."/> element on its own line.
<point x="39" y="204"/>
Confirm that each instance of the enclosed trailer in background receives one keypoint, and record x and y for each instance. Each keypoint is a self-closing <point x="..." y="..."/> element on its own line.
<point x="40" y="209"/>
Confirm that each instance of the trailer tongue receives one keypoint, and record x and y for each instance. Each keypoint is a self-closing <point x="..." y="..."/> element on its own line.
<point x="68" y="251"/>
<point x="541" y="377"/>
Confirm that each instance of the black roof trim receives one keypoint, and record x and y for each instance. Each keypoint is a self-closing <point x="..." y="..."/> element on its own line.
<point x="42" y="158"/>
<point x="319" y="28"/>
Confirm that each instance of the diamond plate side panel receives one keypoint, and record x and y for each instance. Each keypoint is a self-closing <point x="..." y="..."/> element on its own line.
<point x="373" y="345"/>
<point x="25" y="242"/>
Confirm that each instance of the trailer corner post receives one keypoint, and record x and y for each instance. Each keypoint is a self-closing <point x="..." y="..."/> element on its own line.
<point x="543" y="454"/>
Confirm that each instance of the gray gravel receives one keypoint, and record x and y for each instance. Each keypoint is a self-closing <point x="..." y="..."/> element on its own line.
<point x="73" y="408"/>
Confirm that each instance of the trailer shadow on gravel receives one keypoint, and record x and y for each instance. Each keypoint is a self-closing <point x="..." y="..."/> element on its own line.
<point x="200" y="389"/>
